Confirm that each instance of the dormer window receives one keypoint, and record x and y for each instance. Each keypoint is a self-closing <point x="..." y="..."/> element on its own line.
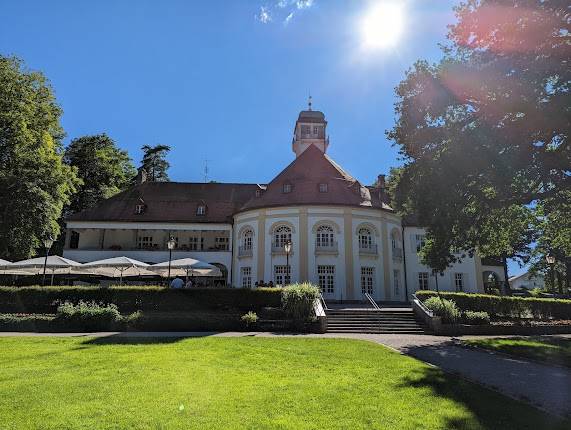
<point x="258" y="193"/>
<point x="201" y="210"/>
<point x="139" y="209"/>
<point x="323" y="188"/>
<point x="286" y="188"/>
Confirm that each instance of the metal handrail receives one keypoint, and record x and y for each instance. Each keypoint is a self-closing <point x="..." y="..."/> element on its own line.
<point x="323" y="301"/>
<point x="421" y="305"/>
<point x="370" y="299"/>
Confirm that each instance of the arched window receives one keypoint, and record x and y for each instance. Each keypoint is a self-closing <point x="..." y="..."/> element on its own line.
<point x="282" y="235"/>
<point x="324" y="238"/>
<point x="365" y="238"/>
<point x="247" y="239"/>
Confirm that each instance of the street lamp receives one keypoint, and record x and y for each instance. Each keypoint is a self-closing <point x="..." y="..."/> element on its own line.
<point x="171" y="243"/>
<point x="287" y="249"/>
<point x="550" y="258"/>
<point x="48" y="242"/>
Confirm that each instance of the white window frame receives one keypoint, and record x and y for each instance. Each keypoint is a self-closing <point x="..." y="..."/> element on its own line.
<point x="423" y="280"/>
<point x="420" y="240"/>
<point x="145" y="242"/>
<point x="246" y="277"/>
<point x="282" y="275"/>
<point x="367" y="280"/>
<point x="365" y="238"/>
<point x="286" y="188"/>
<point x="282" y="235"/>
<point x="326" y="279"/>
<point x="323" y="188"/>
<point x="325" y="237"/>
<point x="247" y="239"/>
<point x="201" y="210"/>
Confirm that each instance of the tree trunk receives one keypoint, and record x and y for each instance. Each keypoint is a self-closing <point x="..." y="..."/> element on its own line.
<point x="559" y="282"/>
<point x="506" y="289"/>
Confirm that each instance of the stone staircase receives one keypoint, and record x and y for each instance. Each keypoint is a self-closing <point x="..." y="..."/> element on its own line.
<point x="395" y="320"/>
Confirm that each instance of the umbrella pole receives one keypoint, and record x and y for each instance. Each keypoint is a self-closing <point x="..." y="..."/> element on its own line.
<point x="52" y="280"/>
<point x="120" y="277"/>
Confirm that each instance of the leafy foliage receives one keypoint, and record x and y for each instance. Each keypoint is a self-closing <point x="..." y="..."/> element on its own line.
<point x="298" y="301"/>
<point x="104" y="169"/>
<point x="476" y="317"/>
<point x="446" y="309"/>
<point x="484" y="132"/>
<point x="35" y="183"/>
<point x="249" y="318"/>
<point x="88" y="315"/>
<point x="155" y="162"/>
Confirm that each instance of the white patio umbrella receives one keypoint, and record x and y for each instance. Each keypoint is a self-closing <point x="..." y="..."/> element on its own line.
<point x="53" y="264"/>
<point x="6" y="269"/>
<point x="118" y="267"/>
<point x="187" y="267"/>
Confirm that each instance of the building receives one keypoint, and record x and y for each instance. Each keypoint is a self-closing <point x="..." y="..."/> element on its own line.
<point x="527" y="281"/>
<point x="344" y="236"/>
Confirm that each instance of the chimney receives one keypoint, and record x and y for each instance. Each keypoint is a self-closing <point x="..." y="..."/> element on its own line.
<point x="141" y="176"/>
<point x="381" y="186"/>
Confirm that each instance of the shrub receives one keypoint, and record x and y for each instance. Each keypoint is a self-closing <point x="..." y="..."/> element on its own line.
<point x="134" y="298"/>
<point x="446" y="309"/>
<point x="506" y="306"/>
<point x="88" y="315"/>
<point x="26" y="322"/>
<point x="249" y="318"/>
<point x="476" y="318"/>
<point x="298" y="301"/>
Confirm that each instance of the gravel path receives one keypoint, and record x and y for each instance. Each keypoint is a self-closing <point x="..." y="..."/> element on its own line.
<point x="546" y="387"/>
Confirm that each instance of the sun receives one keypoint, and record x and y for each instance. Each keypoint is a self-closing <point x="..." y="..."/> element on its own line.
<point x="383" y="25"/>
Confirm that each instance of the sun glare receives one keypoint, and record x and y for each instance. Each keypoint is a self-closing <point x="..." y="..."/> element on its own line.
<point x="382" y="25"/>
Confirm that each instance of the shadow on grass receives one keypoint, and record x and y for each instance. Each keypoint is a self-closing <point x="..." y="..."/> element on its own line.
<point x="487" y="409"/>
<point x="135" y="338"/>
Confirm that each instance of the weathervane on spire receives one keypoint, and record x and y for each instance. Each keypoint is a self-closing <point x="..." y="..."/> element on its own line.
<point x="309" y="101"/>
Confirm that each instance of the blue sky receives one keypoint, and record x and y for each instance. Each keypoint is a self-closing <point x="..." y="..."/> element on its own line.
<point x="223" y="80"/>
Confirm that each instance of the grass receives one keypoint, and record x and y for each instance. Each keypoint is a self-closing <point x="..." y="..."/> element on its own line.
<point x="231" y="383"/>
<point x="550" y="350"/>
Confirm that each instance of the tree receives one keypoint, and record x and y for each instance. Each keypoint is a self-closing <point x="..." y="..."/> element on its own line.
<point x="155" y="163"/>
<point x="35" y="183"/>
<point x="104" y="169"/>
<point x="484" y="132"/>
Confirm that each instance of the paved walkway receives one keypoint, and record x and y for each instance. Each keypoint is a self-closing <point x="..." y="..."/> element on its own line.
<point x="547" y="387"/>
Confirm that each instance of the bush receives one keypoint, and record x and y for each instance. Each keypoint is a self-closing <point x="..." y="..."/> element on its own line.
<point x="506" y="306"/>
<point x="144" y="298"/>
<point x="446" y="309"/>
<point x="249" y="318"/>
<point x="26" y="322"/>
<point x="298" y="301"/>
<point x="88" y="315"/>
<point x="476" y="318"/>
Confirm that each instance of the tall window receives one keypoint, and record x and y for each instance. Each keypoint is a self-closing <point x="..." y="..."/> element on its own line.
<point x="420" y="240"/>
<point x="367" y="280"/>
<point x="305" y="130"/>
<point x="326" y="277"/>
<point x="459" y="281"/>
<point x="324" y="238"/>
<point x="247" y="239"/>
<point x="365" y="238"/>
<point x="200" y="210"/>
<point x="286" y="188"/>
<point x="323" y="188"/>
<point x="396" y="282"/>
<point x="194" y="244"/>
<point x="423" y="281"/>
<point x="282" y="275"/>
<point x="282" y="235"/>
<point x="246" y="277"/>
<point x="74" y="240"/>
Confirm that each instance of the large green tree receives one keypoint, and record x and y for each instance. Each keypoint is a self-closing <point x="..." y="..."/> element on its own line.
<point x="35" y="183"/>
<point x="104" y="169"/>
<point x="155" y="162"/>
<point x="484" y="132"/>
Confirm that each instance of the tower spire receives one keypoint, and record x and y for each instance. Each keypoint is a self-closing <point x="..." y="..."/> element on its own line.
<point x="309" y="101"/>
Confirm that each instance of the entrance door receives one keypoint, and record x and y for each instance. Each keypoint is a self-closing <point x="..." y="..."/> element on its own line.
<point x="326" y="280"/>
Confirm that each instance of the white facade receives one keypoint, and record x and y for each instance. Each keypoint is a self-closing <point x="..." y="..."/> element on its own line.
<point x="527" y="281"/>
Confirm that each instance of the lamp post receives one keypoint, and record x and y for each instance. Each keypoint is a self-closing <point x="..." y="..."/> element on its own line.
<point x="287" y="249"/>
<point x="550" y="258"/>
<point x="48" y="242"/>
<point x="171" y="243"/>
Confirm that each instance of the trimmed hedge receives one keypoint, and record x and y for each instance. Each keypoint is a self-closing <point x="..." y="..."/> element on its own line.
<point x="505" y="306"/>
<point x="42" y="300"/>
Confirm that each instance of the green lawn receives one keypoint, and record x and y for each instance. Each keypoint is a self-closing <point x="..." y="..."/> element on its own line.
<point x="546" y="349"/>
<point x="236" y="383"/>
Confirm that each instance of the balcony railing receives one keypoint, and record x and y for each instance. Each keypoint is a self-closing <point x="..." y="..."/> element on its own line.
<point x="397" y="254"/>
<point x="368" y="249"/>
<point x="245" y="251"/>
<point x="326" y="248"/>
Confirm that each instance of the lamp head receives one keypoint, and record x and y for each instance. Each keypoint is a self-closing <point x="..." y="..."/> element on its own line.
<point x="48" y="241"/>
<point x="171" y="243"/>
<point x="550" y="259"/>
<point x="287" y="247"/>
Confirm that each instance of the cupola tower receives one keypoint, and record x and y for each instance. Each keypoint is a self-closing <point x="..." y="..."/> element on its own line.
<point x="310" y="129"/>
